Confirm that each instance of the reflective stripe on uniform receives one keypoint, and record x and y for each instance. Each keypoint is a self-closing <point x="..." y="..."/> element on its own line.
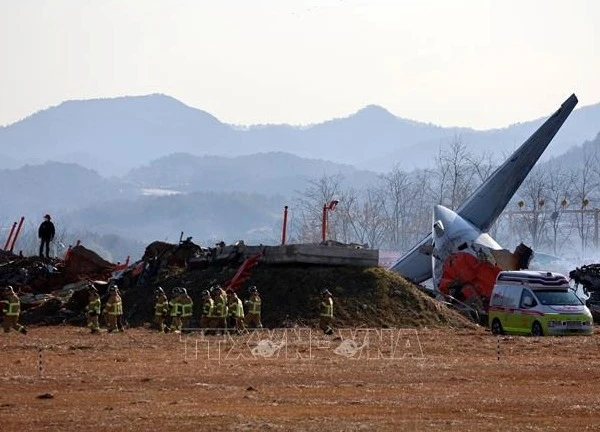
<point x="254" y="306"/>
<point x="160" y="308"/>
<point x="94" y="306"/>
<point x="14" y="308"/>
<point x="207" y="308"/>
<point x="186" y="309"/>
<point x="112" y="308"/>
<point x="327" y="308"/>
<point x="175" y="308"/>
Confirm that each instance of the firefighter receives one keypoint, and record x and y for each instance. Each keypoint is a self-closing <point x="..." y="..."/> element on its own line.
<point x="187" y="306"/>
<point x="236" y="312"/>
<point x="120" y="325"/>
<point x="253" y="313"/>
<point x="326" y="308"/>
<point x="11" y="306"/>
<point x="207" y="309"/>
<point x="219" y="316"/>
<point x="175" y="306"/>
<point x="93" y="309"/>
<point x="161" y="307"/>
<point x="112" y="309"/>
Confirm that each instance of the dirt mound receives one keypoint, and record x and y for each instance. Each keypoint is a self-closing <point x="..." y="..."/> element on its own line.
<point x="291" y="294"/>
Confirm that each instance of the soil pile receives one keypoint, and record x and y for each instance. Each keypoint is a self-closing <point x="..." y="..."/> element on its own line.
<point x="363" y="297"/>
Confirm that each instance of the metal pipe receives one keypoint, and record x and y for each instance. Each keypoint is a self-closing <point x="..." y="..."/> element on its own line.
<point x="14" y="240"/>
<point x="324" y="223"/>
<point x="284" y="231"/>
<point x="12" y="230"/>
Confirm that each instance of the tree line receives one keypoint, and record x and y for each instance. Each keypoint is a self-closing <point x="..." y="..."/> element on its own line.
<point x="553" y="210"/>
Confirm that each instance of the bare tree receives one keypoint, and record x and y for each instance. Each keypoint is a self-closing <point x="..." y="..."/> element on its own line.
<point x="368" y="220"/>
<point x="559" y="195"/>
<point x="534" y="191"/>
<point x="343" y="227"/>
<point x="585" y="183"/>
<point x="396" y="188"/>
<point x="310" y="202"/>
<point x="458" y="172"/>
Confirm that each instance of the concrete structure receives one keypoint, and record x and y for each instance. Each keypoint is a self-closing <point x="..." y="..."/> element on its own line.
<point x="319" y="254"/>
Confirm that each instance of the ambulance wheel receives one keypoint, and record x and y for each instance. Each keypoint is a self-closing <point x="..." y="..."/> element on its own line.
<point x="497" y="327"/>
<point x="536" y="329"/>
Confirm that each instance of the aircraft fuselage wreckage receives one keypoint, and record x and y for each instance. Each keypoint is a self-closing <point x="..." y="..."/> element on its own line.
<point x="458" y="254"/>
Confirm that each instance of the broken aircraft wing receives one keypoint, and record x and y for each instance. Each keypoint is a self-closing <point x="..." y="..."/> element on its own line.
<point x="485" y="204"/>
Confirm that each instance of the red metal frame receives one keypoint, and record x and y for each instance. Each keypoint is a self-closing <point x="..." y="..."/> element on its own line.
<point x="14" y="240"/>
<point x="285" y="212"/>
<point x="12" y="230"/>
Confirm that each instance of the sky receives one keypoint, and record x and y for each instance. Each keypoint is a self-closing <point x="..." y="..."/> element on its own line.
<point x="475" y="63"/>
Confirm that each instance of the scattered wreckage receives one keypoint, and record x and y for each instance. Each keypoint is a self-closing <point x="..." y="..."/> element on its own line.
<point x="588" y="276"/>
<point x="54" y="291"/>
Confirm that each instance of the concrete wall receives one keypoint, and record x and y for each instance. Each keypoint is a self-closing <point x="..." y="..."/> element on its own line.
<point x="315" y="254"/>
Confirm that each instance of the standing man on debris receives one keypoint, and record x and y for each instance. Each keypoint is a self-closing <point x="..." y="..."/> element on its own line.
<point x="187" y="305"/>
<point x="207" y="310"/>
<point x="254" y="304"/>
<point x="236" y="312"/>
<point x="46" y="234"/>
<point x="93" y="309"/>
<point x="112" y="309"/>
<point x="326" y="308"/>
<point x="161" y="307"/>
<point x="11" y="307"/>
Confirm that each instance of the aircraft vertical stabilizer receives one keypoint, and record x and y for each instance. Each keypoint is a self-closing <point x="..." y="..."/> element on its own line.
<point x="487" y="202"/>
<point x="483" y="206"/>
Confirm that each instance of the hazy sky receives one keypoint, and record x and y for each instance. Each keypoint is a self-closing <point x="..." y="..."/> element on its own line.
<point x="452" y="62"/>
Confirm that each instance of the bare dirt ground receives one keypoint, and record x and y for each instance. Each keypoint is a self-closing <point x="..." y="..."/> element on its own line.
<point x="421" y="380"/>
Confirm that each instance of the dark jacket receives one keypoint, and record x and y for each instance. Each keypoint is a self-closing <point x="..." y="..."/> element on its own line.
<point x="46" y="230"/>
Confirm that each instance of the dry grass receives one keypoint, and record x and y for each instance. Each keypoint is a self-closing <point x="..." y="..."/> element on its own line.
<point x="140" y="380"/>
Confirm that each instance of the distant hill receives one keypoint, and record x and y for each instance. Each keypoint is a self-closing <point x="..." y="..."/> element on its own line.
<point x="116" y="135"/>
<point x="582" y="125"/>
<point x="573" y="158"/>
<point x="207" y="216"/>
<point x="55" y="187"/>
<point x="266" y="173"/>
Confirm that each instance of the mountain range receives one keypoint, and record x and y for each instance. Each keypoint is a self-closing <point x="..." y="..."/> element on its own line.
<point x="114" y="136"/>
